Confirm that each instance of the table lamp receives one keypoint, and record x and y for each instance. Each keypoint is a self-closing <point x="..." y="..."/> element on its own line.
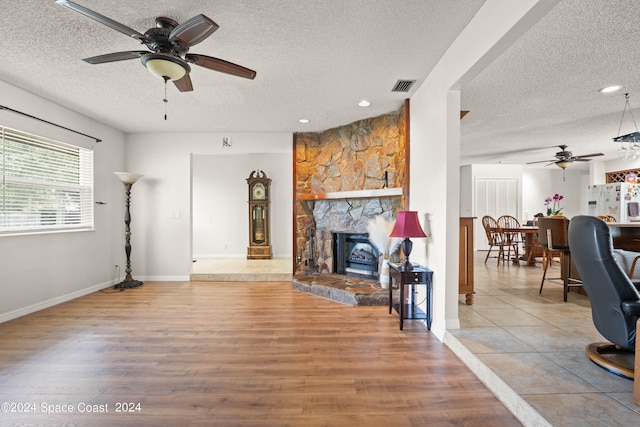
<point x="407" y="225"/>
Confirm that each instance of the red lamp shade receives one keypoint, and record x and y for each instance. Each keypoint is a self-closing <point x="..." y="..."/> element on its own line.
<point x="407" y="225"/>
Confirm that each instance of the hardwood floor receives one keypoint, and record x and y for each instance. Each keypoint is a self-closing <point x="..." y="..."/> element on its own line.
<point x="233" y="354"/>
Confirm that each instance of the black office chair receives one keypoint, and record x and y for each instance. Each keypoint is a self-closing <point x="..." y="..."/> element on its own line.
<point x="615" y="301"/>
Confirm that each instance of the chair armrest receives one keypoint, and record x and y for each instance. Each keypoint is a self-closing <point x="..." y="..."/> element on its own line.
<point x="631" y="308"/>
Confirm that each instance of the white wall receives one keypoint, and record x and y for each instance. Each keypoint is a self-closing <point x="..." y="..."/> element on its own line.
<point x="41" y="270"/>
<point x="220" y="208"/>
<point x="435" y="140"/>
<point x="615" y="165"/>
<point x="161" y="203"/>
<point x="538" y="184"/>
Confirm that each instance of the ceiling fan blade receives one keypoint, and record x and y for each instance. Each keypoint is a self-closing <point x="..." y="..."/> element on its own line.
<point x="221" y="65"/>
<point x="116" y="56"/>
<point x="588" y="155"/>
<point x="104" y="20"/>
<point x="193" y="31"/>
<point x="184" y="84"/>
<point x="541" y="161"/>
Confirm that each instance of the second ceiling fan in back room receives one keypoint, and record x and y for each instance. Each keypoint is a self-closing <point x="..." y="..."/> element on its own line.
<point x="168" y="42"/>
<point x="564" y="158"/>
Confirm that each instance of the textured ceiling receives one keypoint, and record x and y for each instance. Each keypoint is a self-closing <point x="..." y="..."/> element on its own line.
<point x="543" y="91"/>
<point x="317" y="58"/>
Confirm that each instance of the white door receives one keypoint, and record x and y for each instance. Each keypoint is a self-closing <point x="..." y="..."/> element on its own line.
<point x="495" y="197"/>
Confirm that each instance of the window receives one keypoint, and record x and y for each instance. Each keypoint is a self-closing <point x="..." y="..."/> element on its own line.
<point x="46" y="185"/>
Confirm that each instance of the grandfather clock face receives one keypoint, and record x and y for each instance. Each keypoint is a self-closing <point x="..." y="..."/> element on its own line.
<point x="259" y="191"/>
<point x="259" y="224"/>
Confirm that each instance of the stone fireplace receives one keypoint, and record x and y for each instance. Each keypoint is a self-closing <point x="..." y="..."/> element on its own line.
<point x="345" y="177"/>
<point x="340" y="217"/>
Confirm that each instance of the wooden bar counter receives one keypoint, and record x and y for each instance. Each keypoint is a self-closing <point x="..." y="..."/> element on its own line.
<point x="625" y="235"/>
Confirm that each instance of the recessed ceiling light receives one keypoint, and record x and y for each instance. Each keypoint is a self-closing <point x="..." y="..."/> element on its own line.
<point x="304" y="120"/>
<point x="364" y="103"/>
<point x="610" y="89"/>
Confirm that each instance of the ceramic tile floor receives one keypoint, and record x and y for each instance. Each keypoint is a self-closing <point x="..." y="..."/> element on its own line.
<point x="534" y="344"/>
<point x="241" y="269"/>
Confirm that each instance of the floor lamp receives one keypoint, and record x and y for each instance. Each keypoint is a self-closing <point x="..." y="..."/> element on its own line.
<point x="407" y="225"/>
<point x="128" y="179"/>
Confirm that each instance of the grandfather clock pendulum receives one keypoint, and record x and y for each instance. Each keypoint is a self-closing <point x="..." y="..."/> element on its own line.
<point x="259" y="225"/>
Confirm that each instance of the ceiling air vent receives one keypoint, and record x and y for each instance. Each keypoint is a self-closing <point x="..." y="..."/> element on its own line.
<point x="403" y="85"/>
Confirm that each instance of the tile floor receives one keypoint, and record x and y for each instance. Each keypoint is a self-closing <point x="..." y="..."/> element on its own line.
<point x="241" y="270"/>
<point x="534" y="344"/>
<point x="528" y="348"/>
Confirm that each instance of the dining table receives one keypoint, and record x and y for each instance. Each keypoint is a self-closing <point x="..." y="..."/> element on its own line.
<point x="530" y="232"/>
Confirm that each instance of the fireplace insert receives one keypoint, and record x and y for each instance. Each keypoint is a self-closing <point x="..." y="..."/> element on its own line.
<point x="353" y="255"/>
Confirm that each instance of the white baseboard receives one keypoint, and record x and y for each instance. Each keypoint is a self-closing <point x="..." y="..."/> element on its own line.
<point x="10" y="315"/>
<point x="163" y="278"/>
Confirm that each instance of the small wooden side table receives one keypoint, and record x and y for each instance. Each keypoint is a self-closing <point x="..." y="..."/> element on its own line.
<point x="419" y="275"/>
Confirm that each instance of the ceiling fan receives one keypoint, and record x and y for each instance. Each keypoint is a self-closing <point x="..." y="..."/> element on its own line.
<point x="564" y="158"/>
<point x="168" y="43"/>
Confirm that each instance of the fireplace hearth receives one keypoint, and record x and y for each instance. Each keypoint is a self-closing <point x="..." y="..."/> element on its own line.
<point x="354" y="255"/>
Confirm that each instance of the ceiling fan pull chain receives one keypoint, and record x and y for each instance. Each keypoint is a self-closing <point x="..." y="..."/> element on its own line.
<point x="165" y="100"/>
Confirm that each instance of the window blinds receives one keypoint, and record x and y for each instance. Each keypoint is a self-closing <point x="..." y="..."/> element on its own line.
<point x="46" y="185"/>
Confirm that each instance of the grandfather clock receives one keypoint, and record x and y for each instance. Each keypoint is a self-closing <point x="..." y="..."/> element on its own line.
<point x="259" y="224"/>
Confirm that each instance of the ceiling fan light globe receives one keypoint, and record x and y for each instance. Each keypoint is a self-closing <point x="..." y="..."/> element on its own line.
<point x="165" y="67"/>
<point x="563" y="164"/>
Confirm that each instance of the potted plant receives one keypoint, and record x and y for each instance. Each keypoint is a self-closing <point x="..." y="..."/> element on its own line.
<point x="553" y="205"/>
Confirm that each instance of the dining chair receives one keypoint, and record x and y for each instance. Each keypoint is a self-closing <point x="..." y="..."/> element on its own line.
<point x="536" y="248"/>
<point x="513" y="238"/>
<point x="554" y="238"/>
<point x="608" y="218"/>
<point x="495" y="237"/>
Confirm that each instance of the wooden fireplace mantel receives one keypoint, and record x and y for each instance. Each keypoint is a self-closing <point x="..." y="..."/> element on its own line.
<point x="355" y="194"/>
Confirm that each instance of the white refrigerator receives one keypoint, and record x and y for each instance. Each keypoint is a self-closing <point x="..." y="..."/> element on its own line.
<point x="620" y="200"/>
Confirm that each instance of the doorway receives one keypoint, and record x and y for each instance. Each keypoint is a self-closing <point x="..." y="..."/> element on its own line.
<point x="495" y="197"/>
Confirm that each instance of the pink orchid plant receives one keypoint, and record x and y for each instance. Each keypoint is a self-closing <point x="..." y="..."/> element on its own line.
<point x="553" y="204"/>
